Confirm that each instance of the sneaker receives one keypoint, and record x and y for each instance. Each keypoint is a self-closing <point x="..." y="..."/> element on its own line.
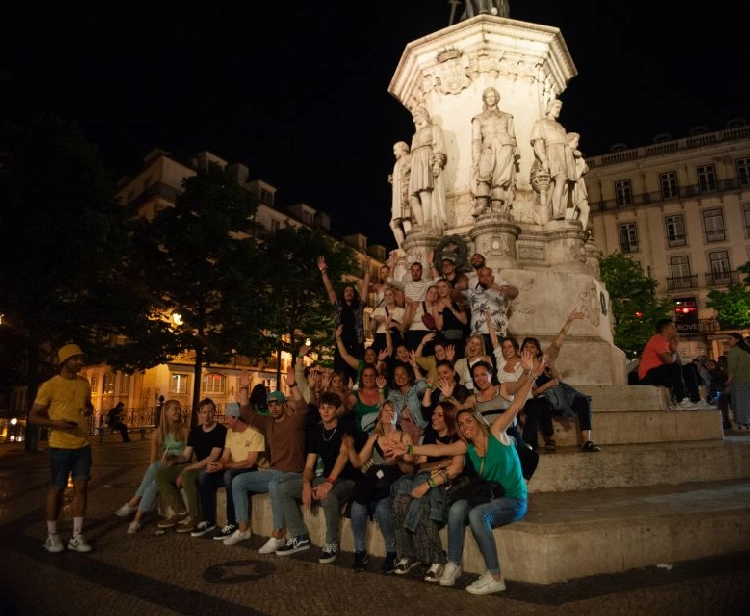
<point x="329" y="553"/>
<point x="294" y="545"/>
<point x="225" y="532"/>
<point x="171" y="521"/>
<point x="434" y="573"/>
<point x="388" y="562"/>
<point x="53" y="544"/>
<point x="404" y="565"/>
<point x="203" y="528"/>
<point x="360" y="560"/>
<point x="685" y="405"/>
<point x="451" y="573"/>
<point x="237" y="536"/>
<point x="134" y="527"/>
<point x="270" y="546"/>
<point x="78" y="544"/>
<point x="187" y="525"/>
<point x="126" y="510"/>
<point x="486" y="584"/>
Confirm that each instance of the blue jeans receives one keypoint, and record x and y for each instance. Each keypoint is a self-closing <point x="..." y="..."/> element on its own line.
<point x="383" y="514"/>
<point x="482" y="519"/>
<point x="147" y="491"/>
<point x="208" y="483"/>
<point x="291" y="491"/>
<point x="258" y="482"/>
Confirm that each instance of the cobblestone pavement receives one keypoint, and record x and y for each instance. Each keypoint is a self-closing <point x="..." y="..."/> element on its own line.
<point x="145" y="574"/>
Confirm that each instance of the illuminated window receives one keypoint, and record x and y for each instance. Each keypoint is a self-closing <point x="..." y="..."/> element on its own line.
<point x="179" y="384"/>
<point x="125" y="383"/>
<point x="108" y="384"/>
<point x="214" y="384"/>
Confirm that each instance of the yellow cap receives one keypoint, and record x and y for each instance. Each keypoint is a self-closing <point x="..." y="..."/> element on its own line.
<point x="68" y="351"/>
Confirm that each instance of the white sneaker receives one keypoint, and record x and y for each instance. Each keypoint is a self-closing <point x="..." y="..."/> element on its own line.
<point x="451" y="573"/>
<point x="485" y="585"/>
<point x="238" y="536"/>
<point x="270" y="546"/>
<point x="126" y="510"/>
<point x="79" y="544"/>
<point x="53" y="544"/>
<point x="134" y="527"/>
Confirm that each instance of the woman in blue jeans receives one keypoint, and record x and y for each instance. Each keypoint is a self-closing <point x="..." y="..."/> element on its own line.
<point x="493" y="455"/>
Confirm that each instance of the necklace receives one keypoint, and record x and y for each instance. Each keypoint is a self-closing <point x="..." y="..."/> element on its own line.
<point x="330" y="436"/>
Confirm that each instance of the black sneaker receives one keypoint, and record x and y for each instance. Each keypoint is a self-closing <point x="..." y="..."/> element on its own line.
<point x="360" y="560"/>
<point x="294" y="545"/>
<point x="225" y="532"/>
<point x="388" y="563"/>
<point x="329" y="553"/>
<point x="203" y="528"/>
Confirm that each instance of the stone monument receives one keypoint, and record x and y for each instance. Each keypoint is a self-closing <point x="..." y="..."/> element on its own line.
<point x="507" y="177"/>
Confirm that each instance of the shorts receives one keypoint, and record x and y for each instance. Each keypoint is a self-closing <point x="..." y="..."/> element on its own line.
<point x="65" y="462"/>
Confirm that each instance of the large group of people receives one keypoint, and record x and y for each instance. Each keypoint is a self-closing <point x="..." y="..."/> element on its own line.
<point x="422" y="432"/>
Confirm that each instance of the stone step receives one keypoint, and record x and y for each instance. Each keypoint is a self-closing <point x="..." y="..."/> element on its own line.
<point x="654" y="464"/>
<point x="638" y="414"/>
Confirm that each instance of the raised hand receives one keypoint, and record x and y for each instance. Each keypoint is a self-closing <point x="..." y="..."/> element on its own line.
<point x="322" y="264"/>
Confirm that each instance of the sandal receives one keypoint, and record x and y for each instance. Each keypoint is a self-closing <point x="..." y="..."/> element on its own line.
<point x="550" y="445"/>
<point x="590" y="446"/>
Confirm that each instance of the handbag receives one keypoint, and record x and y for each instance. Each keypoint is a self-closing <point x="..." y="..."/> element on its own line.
<point x="475" y="491"/>
<point x="375" y="484"/>
<point x="427" y="319"/>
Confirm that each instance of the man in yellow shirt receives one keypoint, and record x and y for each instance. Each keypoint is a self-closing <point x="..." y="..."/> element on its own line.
<point x="62" y="404"/>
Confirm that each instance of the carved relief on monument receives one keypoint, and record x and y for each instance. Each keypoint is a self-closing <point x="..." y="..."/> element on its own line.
<point x="589" y="301"/>
<point x="451" y="71"/>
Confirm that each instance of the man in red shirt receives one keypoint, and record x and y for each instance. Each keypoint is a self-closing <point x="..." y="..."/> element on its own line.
<point x="660" y="363"/>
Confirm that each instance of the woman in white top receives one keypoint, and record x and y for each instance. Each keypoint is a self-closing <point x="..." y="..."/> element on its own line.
<point x="387" y="316"/>
<point x="475" y="351"/>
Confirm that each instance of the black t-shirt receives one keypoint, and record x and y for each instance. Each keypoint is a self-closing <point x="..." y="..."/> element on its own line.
<point x="327" y="445"/>
<point x="203" y="442"/>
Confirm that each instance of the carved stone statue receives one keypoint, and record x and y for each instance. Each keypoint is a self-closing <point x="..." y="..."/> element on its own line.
<point x="550" y="142"/>
<point x="498" y="8"/>
<point x="579" y="193"/>
<point x="494" y="156"/>
<point x="428" y="160"/>
<point x="401" y="213"/>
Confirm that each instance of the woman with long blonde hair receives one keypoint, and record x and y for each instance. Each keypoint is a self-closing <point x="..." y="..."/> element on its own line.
<point x="168" y="447"/>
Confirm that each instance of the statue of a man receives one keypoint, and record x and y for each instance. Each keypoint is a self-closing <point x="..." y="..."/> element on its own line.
<point x="550" y="142"/>
<point x="494" y="154"/>
<point x="498" y="8"/>
<point x="579" y="194"/>
<point x="428" y="159"/>
<point x="401" y="213"/>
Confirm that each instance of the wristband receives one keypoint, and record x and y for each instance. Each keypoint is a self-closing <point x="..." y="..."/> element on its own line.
<point x="428" y="386"/>
<point x="431" y="482"/>
<point x="331" y="480"/>
<point x="410" y="449"/>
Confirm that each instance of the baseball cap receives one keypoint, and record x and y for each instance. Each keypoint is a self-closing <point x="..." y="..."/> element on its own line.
<point x="68" y="351"/>
<point x="233" y="409"/>
<point x="277" y="396"/>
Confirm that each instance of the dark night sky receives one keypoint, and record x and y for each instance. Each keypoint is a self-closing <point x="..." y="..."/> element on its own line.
<point x="297" y="90"/>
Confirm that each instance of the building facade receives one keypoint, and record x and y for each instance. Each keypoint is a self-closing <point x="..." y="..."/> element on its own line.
<point x="680" y="208"/>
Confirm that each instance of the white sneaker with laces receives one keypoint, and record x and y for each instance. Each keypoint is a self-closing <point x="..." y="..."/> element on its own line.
<point x="134" y="527"/>
<point x="79" y="544"/>
<point x="53" y="544"/>
<point x="238" y="536"/>
<point x="451" y="573"/>
<point x="485" y="585"/>
<point x="270" y="546"/>
<point x="126" y="510"/>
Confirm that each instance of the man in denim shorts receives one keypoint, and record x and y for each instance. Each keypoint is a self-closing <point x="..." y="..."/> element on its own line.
<point x="63" y="404"/>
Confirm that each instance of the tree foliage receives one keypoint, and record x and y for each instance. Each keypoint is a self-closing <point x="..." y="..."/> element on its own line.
<point x="301" y="308"/>
<point x="732" y="305"/>
<point x="197" y="259"/>
<point x="635" y="305"/>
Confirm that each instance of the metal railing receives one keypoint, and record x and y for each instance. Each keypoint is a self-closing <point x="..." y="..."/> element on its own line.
<point x="722" y="279"/>
<point x="682" y="282"/>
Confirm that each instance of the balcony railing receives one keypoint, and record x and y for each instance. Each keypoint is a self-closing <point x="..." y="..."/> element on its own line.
<point x="722" y="279"/>
<point x="650" y="198"/>
<point x="708" y="326"/>
<point x="682" y="282"/>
